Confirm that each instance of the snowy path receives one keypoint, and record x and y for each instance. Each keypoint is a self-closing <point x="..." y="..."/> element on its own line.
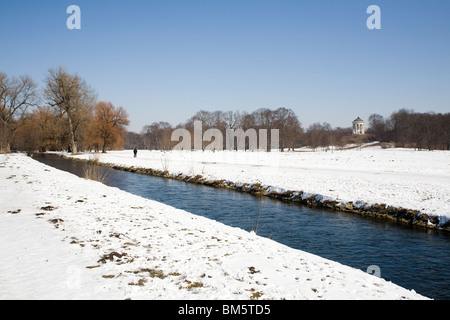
<point x="62" y="237"/>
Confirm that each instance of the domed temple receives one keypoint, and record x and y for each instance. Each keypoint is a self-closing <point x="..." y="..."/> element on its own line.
<point x="359" y="126"/>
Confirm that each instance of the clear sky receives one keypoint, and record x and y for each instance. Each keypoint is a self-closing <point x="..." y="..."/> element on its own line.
<point x="164" y="60"/>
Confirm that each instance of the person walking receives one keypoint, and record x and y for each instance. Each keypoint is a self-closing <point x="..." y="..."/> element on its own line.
<point x="135" y="152"/>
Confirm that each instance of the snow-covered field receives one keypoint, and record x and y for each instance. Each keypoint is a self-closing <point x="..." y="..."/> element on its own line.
<point x="63" y="237"/>
<point x="417" y="180"/>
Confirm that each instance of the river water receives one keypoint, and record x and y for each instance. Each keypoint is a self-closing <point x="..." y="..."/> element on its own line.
<point x="412" y="258"/>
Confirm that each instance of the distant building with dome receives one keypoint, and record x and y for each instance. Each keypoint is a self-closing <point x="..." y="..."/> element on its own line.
<point x="359" y="126"/>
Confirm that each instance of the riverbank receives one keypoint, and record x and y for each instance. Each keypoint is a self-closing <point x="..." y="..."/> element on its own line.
<point x="402" y="185"/>
<point x="63" y="237"/>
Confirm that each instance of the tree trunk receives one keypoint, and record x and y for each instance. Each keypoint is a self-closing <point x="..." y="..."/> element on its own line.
<point x="72" y="137"/>
<point x="8" y="147"/>
<point x="8" y="139"/>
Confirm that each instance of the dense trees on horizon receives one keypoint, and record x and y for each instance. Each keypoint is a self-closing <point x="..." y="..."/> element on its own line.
<point x="65" y="115"/>
<point x="157" y="136"/>
<point x="409" y="129"/>
<point x="403" y="128"/>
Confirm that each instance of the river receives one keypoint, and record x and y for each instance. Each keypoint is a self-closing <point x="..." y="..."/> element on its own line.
<point x="412" y="258"/>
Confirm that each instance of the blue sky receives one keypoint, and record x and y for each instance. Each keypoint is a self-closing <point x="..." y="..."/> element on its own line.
<point x="165" y="60"/>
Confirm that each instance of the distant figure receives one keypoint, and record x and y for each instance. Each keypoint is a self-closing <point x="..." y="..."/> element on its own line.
<point x="135" y="152"/>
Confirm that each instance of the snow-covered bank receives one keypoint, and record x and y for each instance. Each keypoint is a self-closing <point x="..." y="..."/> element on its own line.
<point x="370" y="181"/>
<point x="63" y="237"/>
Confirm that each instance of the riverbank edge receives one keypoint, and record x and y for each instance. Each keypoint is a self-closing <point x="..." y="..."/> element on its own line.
<point x="381" y="212"/>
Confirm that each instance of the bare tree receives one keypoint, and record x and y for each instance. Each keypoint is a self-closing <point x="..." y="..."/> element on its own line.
<point x="290" y="128"/>
<point x="317" y="135"/>
<point x="377" y="126"/>
<point x="132" y="140"/>
<point x="232" y="119"/>
<point x="72" y="96"/>
<point x="157" y="135"/>
<point x="16" y="96"/>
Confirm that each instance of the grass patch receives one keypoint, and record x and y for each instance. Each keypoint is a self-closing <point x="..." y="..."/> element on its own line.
<point x="256" y="295"/>
<point x="255" y="223"/>
<point x="252" y="270"/>
<point x="141" y="282"/>
<point x="48" y="208"/>
<point x="111" y="256"/>
<point x="155" y="273"/>
<point x="96" y="172"/>
<point x="192" y="285"/>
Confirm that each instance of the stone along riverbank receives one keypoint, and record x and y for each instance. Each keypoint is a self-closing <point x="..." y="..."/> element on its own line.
<point x="381" y="211"/>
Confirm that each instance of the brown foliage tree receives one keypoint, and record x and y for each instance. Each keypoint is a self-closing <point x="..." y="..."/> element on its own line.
<point x="108" y="126"/>
<point x="52" y="129"/>
<point x="27" y="137"/>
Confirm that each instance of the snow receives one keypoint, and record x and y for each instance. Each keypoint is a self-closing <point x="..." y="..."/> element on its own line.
<point x="417" y="180"/>
<point x="63" y="237"/>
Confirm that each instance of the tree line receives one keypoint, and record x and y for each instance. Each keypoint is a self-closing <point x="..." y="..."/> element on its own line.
<point x="64" y="115"/>
<point x="409" y="129"/>
<point x="403" y="128"/>
<point x="158" y="135"/>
